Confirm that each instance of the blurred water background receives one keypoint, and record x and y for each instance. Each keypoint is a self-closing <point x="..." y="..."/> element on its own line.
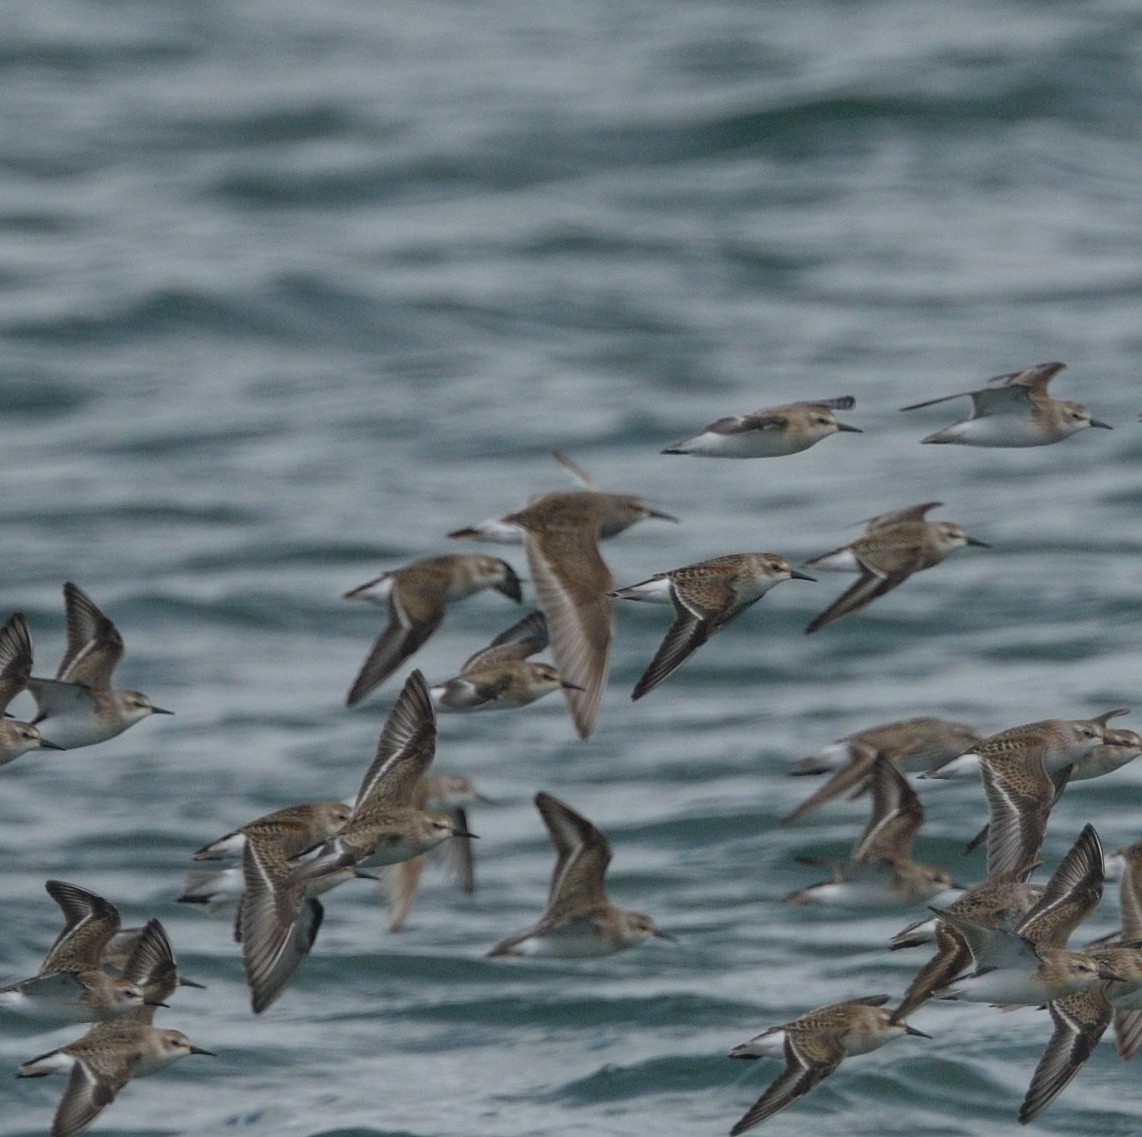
<point x="289" y="290"/>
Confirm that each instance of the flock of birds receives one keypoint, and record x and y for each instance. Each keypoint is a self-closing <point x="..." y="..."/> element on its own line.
<point x="1001" y="941"/>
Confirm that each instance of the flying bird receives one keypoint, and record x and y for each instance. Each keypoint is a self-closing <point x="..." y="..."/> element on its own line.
<point x="1014" y="410"/>
<point x="893" y="547"/>
<point x="706" y="596"/>
<point x="770" y="433"/>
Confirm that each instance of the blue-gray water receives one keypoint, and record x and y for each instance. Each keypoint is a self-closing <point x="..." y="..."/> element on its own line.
<point x="288" y="290"/>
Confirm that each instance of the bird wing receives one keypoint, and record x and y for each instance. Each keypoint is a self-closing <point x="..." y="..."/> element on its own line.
<point x="457" y="853"/>
<point x="952" y="956"/>
<point x="698" y="613"/>
<point x="808" y="1061"/>
<point x="1080" y="1021"/>
<point x="853" y="776"/>
<point x="56" y="698"/>
<point x="870" y="585"/>
<point x="896" y="816"/>
<point x="577" y="474"/>
<point x="572" y="586"/>
<point x="1130" y="899"/>
<point x="1072" y="893"/>
<point x="276" y="924"/>
<point x="1019" y="797"/>
<point x="1010" y="399"/>
<point x="94" y="645"/>
<point x="898" y="516"/>
<point x="399" y="883"/>
<point x="414" y="614"/>
<point x="405" y="749"/>
<point x="89" y="923"/>
<point x="1127" y="1032"/>
<point x="474" y="690"/>
<point x="582" y="855"/>
<point x="91" y="1087"/>
<point x="151" y="964"/>
<point x="521" y="640"/>
<point x="747" y="424"/>
<point x="15" y="658"/>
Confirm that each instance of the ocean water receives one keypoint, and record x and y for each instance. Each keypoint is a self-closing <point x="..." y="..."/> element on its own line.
<point x="288" y="291"/>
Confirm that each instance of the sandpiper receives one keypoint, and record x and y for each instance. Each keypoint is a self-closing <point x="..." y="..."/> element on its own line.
<point x="501" y="676"/>
<point x="294" y="829"/>
<point x="384" y="826"/>
<point x="444" y="793"/>
<point x="814" y="1045"/>
<point x="1030" y="964"/>
<point x="881" y="871"/>
<point x="893" y="547"/>
<point x="71" y="985"/>
<point x="911" y="745"/>
<point x="616" y="511"/>
<point x="1024" y="769"/>
<point x="416" y="596"/>
<point x="1066" y="746"/>
<point x="102" y="1062"/>
<point x="1014" y="410"/>
<point x="1117" y="748"/>
<point x="1080" y="1020"/>
<point x="992" y="903"/>
<point x="16" y="737"/>
<point x="706" y="596"/>
<point x="770" y="433"/>
<point x="579" y="920"/>
<point x="573" y="587"/>
<point x="78" y="707"/>
<point x="278" y="914"/>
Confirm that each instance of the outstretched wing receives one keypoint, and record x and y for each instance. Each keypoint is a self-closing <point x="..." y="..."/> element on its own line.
<point x="94" y="645"/>
<point x="808" y="1062"/>
<point x="1080" y="1021"/>
<point x="412" y="619"/>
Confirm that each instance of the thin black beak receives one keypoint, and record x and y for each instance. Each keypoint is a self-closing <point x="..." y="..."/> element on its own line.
<point x="191" y="983"/>
<point x="465" y="833"/>
<point x="670" y="516"/>
<point x="912" y="1030"/>
<point x="849" y="429"/>
<point x="199" y="1050"/>
<point x="795" y="575"/>
<point x="1098" y="422"/>
<point x="46" y="745"/>
<point x="510" y="587"/>
<point x="980" y="544"/>
<point x="160" y="711"/>
<point x="154" y="1003"/>
<point x="570" y="686"/>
